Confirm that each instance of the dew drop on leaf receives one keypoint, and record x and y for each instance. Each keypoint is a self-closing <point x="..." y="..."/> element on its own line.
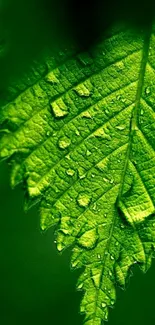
<point x="48" y="133"/>
<point x="82" y="91"/>
<point x="81" y="172"/>
<point x="80" y="286"/>
<point x="120" y="127"/>
<point x="88" y="153"/>
<point x="64" y="142"/>
<point x="88" y="239"/>
<point x="51" y="78"/>
<point x="147" y="91"/>
<point x="59" y="109"/>
<point x="103" y="305"/>
<point x="77" y="132"/>
<point x="86" y="115"/>
<point x="83" y="200"/>
<point x="70" y="172"/>
<point x="60" y="247"/>
<point x="84" y="59"/>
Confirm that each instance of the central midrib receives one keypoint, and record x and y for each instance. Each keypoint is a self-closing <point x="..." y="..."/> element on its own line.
<point x="133" y="128"/>
<point x="136" y="110"/>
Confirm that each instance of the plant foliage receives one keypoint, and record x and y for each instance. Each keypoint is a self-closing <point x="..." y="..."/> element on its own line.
<point x="80" y="131"/>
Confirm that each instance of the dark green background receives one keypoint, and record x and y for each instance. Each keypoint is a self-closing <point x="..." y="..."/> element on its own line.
<point x="37" y="285"/>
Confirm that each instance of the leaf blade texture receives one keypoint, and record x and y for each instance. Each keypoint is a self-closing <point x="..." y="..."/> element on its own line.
<point x="80" y="132"/>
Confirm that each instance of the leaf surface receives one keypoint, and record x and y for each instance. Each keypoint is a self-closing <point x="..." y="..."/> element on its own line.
<point x="80" y="131"/>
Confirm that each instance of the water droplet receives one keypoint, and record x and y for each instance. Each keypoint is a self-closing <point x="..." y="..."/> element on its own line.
<point x="120" y="66"/>
<point x="105" y="179"/>
<point x="64" y="142"/>
<point x="74" y="263"/>
<point x="147" y="90"/>
<point x="118" y="97"/>
<point x="106" y="316"/>
<point x="123" y="100"/>
<point x="103" y="304"/>
<point x="88" y="153"/>
<point x="86" y="115"/>
<point x="51" y="78"/>
<point x="110" y="273"/>
<point x="88" y="239"/>
<point x="82" y="309"/>
<point x="117" y="243"/>
<point x="83" y="199"/>
<point x="80" y="286"/>
<point x="112" y="302"/>
<point x="98" y="256"/>
<point x="120" y="127"/>
<point x="59" y="109"/>
<point x="102" y="134"/>
<point x="94" y="206"/>
<point x="82" y="91"/>
<point x="92" y="175"/>
<point x="122" y="226"/>
<point x="112" y="258"/>
<point x="48" y="133"/>
<point x="60" y="247"/>
<point x="112" y="181"/>
<point x="105" y="215"/>
<point x="106" y="111"/>
<point x="81" y="172"/>
<point x="77" y="132"/>
<point x="70" y="172"/>
<point x="84" y="59"/>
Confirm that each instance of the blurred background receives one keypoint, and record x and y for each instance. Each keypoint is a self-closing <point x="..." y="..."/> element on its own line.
<point x="37" y="285"/>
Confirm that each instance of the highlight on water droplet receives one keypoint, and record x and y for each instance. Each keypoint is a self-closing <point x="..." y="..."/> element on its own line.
<point x="59" y="108"/>
<point x="103" y="304"/>
<point x="85" y="59"/>
<point x="120" y="127"/>
<point x="88" y="239"/>
<point x="86" y="114"/>
<point x="51" y="78"/>
<point x="60" y="247"/>
<point x="77" y="132"/>
<point x="147" y="90"/>
<point x="80" y="286"/>
<point x="81" y="172"/>
<point x="83" y="199"/>
<point x="48" y="133"/>
<point x="70" y="172"/>
<point x="64" y="142"/>
<point x="88" y="153"/>
<point x="82" y="91"/>
<point x="112" y="302"/>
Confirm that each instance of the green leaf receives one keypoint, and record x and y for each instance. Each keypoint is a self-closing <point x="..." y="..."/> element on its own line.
<point x="80" y="131"/>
